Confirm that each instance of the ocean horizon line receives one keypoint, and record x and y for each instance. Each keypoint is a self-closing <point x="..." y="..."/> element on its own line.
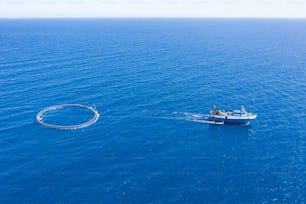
<point x="144" y="17"/>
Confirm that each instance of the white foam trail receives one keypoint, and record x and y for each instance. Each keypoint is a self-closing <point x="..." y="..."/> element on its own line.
<point x="193" y="117"/>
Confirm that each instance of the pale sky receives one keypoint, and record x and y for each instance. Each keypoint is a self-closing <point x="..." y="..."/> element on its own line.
<point x="152" y="8"/>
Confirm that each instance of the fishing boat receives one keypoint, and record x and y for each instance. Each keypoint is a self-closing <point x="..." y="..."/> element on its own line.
<point x="236" y="117"/>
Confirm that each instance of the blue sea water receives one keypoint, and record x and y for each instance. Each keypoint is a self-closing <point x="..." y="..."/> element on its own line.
<point x="140" y="74"/>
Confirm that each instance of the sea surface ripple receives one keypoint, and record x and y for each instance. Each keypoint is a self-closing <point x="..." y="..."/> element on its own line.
<point x="141" y="74"/>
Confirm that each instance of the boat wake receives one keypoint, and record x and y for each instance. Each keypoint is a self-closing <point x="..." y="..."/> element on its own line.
<point x="197" y="117"/>
<point x="185" y="116"/>
<point x="215" y="116"/>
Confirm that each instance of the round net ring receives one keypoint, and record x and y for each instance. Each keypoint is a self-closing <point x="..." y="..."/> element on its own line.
<point x="93" y="120"/>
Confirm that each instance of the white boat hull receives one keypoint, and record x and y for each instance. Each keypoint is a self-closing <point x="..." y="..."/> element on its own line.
<point x="233" y="119"/>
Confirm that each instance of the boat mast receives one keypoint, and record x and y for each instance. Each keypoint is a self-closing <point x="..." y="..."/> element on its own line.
<point x="243" y="109"/>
